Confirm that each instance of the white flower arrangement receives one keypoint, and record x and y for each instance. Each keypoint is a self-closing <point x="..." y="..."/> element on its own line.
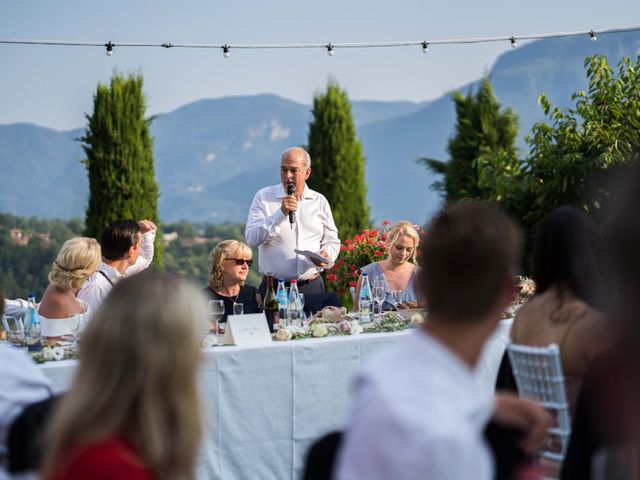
<point x="53" y="354"/>
<point x="209" y="341"/>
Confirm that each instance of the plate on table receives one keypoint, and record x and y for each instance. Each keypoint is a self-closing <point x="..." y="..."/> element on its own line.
<point x="407" y="313"/>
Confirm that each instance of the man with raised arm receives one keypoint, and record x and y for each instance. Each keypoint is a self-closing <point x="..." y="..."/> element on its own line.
<point x="127" y="248"/>
<point x="288" y="218"/>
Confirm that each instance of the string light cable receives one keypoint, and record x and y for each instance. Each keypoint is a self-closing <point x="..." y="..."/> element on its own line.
<point x="330" y="47"/>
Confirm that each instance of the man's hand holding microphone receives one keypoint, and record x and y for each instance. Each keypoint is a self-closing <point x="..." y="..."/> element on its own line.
<point x="289" y="207"/>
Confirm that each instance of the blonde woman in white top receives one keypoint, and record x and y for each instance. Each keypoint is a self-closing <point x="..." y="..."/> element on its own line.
<point x="61" y="313"/>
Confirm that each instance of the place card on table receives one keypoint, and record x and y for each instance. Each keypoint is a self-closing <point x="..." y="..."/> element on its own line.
<point x="251" y="329"/>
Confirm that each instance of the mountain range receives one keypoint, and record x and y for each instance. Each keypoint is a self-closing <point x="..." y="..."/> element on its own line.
<point x="212" y="155"/>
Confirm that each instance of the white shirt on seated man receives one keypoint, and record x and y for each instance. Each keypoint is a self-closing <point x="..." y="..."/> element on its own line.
<point x="127" y="249"/>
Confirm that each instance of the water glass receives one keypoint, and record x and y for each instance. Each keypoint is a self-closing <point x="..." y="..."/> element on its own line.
<point x="397" y="297"/>
<point x="378" y="297"/>
<point x="17" y="340"/>
<point x="238" y="308"/>
<point x="216" y="311"/>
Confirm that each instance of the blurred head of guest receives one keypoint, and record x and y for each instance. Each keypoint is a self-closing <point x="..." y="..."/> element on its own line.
<point x="402" y="242"/>
<point x="134" y="403"/>
<point x="569" y="267"/>
<point x="469" y="259"/>
<point x="568" y="256"/>
<point x="77" y="260"/>
<point x="229" y="264"/>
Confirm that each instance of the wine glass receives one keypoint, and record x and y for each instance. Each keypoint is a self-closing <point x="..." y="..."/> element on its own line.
<point x="397" y="297"/>
<point x="378" y="297"/>
<point x="216" y="311"/>
<point x="238" y="308"/>
<point x="15" y="333"/>
<point x="303" y="316"/>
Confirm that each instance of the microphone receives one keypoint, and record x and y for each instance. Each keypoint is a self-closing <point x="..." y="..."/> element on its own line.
<point x="291" y="189"/>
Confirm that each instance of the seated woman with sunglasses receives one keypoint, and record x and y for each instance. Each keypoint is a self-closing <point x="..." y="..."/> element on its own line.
<point x="229" y="264"/>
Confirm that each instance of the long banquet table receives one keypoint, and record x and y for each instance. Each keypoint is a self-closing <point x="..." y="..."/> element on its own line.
<point x="266" y="404"/>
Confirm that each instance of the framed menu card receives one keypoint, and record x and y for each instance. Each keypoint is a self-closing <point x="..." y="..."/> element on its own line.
<point x="251" y="329"/>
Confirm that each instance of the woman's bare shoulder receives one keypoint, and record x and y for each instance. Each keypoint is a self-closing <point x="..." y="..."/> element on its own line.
<point x="57" y="304"/>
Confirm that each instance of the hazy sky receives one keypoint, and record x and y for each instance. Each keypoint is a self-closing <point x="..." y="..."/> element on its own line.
<point x="53" y="86"/>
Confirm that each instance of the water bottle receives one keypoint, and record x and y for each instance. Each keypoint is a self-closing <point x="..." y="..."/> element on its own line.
<point x="281" y="296"/>
<point x="294" y="307"/>
<point x="33" y="333"/>
<point x="365" y="300"/>
<point x="31" y="308"/>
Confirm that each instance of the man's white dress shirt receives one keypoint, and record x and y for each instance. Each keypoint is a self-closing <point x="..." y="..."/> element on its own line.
<point x="269" y="229"/>
<point x="418" y="414"/>
<point x="15" y="308"/>
<point x="21" y="384"/>
<point x="97" y="286"/>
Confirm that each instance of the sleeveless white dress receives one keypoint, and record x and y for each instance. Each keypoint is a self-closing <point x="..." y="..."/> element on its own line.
<point x="67" y="328"/>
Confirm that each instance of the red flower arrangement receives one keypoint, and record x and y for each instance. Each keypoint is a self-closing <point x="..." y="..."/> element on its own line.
<point x="365" y="248"/>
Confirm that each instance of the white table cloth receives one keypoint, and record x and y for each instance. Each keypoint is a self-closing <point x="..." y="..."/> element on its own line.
<point x="265" y="405"/>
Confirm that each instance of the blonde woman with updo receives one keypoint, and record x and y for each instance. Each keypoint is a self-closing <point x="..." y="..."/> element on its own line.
<point x="398" y="271"/>
<point x="134" y="410"/>
<point x="61" y="313"/>
<point x="229" y="265"/>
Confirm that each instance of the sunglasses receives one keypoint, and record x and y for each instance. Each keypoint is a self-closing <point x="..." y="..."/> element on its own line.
<point x="241" y="261"/>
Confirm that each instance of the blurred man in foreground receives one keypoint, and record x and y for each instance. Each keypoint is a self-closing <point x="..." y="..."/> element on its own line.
<point x="418" y="411"/>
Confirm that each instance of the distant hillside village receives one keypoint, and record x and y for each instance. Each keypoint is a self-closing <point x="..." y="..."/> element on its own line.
<point x="18" y="237"/>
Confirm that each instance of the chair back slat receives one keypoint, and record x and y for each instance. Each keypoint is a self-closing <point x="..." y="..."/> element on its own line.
<point x="538" y="375"/>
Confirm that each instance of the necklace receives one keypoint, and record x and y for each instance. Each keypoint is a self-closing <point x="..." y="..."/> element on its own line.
<point x="233" y="298"/>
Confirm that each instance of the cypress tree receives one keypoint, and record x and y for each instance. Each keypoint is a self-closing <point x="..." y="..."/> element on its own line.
<point x="337" y="161"/>
<point x="481" y="129"/>
<point x="119" y="158"/>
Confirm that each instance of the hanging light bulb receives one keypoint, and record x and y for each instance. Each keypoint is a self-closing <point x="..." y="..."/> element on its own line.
<point x="330" y="51"/>
<point x="225" y="51"/>
<point x="514" y="43"/>
<point x="593" y="36"/>
<point x="425" y="47"/>
<point x="109" y="47"/>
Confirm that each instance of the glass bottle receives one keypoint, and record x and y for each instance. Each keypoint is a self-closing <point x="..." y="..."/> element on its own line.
<point x="31" y="308"/>
<point x="271" y="305"/>
<point x="294" y="309"/>
<point x="365" y="300"/>
<point x="281" y="296"/>
<point x="33" y="333"/>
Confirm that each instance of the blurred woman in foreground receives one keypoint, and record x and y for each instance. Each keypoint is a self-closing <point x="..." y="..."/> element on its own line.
<point x="566" y="310"/>
<point x="61" y="313"/>
<point x="605" y="435"/>
<point x="133" y="410"/>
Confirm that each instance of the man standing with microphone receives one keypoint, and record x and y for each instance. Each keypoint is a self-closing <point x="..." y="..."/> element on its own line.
<point x="288" y="218"/>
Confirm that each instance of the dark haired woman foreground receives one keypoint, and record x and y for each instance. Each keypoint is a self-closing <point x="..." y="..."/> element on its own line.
<point x="569" y="273"/>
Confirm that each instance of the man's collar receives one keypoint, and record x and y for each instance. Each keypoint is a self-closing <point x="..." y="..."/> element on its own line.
<point x="111" y="272"/>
